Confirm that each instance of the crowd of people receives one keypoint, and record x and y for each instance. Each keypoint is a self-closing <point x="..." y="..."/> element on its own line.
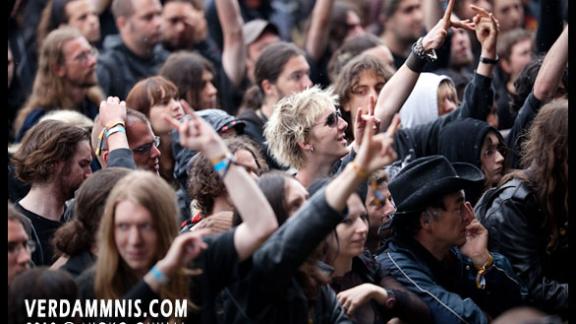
<point x="327" y="161"/>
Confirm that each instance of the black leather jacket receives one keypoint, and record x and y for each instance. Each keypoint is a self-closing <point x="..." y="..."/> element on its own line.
<point x="517" y="226"/>
<point x="269" y="291"/>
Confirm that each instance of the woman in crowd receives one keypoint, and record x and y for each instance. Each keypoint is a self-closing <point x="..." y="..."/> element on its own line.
<point x="527" y="215"/>
<point x="285" y="282"/>
<point x="157" y="97"/>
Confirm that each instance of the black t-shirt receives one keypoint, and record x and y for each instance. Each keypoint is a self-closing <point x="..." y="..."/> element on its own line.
<point x="44" y="231"/>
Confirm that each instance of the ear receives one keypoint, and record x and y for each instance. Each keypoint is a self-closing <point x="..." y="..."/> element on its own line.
<point x="306" y="147"/>
<point x="104" y="156"/>
<point x="425" y="220"/>
<point x="269" y="88"/>
<point x="59" y="70"/>
<point x="121" y="22"/>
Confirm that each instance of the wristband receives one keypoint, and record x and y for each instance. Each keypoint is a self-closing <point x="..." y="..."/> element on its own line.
<point x="486" y="60"/>
<point x="114" y="123"/>
<point x="114" y="130"/>
<point x="158" y="275"/>
<point x="415" y="63"/>
<point x="221" y="167"/>
<point x="100" y="146"/>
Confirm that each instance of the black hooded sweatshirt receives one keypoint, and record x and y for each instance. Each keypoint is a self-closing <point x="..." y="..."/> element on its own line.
<point x="461" y="141"/>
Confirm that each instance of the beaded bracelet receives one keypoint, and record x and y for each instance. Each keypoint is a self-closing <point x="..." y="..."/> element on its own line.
<point x="158" y="275"/>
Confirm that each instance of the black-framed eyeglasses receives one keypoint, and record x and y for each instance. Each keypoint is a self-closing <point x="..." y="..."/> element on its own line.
<point x="145" y="148"/>
<point x="16" y="247"/>
<point x="333" y="119"/>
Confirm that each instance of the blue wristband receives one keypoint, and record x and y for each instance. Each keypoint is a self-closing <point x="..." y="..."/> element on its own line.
<point x="158" y="275"/>
<point x="221" y="165"/>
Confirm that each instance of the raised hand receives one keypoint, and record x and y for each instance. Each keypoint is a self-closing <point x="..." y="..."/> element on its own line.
<point x="487" y="28"/>
<point x="436" y="36"/>
<point x="476" y="246"/>
<point x="196" y="134"/>
<point x="112" y="110"/>
<point x="377" y="151"/>
<point x="360" y="121"/>
<point x="185" y="248"/>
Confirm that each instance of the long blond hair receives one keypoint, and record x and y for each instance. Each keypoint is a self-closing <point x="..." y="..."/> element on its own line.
<point x="113" y="277"/>
<point x="49" y="90"/>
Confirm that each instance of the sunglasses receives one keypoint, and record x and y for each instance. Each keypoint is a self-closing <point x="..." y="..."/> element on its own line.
<point x="333" y="119"/>
<point x="145" y="148"/>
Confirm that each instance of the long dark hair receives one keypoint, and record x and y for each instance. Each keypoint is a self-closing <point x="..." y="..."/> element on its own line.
<point x="545" y="163"/>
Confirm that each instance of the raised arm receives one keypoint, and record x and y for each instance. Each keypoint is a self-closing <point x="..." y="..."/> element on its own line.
<point x="545" y="86"/>
<point x="317" y="39"/>
<point x="291" y="245"/>
<point x="234" y="50"/>
<point x="478" y="95"/>
<point x="258" y="217"/>
<point x="552" y="69"/>
<point x="398" y="88"/>
<point x="111" y="122"/>
<point x="486" y="29"/>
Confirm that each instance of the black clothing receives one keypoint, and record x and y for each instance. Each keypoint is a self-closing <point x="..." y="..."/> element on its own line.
<point x="16" y="188"/>
<point x="365" y="269"/>
<point x="462" y="141"/>
<point x="423" y="139"/>
<point x="516" y="223"/>
<point x="550" y="24"/>
<point x="254" y="129"/>
<point x="44" y="230"/>
<point x="230" y="95"/>
<point x="76" y="264"/>
<point x="506" y="115"/>
<point x="270" y="291"/>
<point x="521" y="125"/>
<point x="118" y="68"/>
<point x="218" y="263"/>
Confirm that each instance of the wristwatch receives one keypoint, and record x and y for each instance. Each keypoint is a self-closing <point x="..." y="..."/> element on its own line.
<point x="419" y="50"/>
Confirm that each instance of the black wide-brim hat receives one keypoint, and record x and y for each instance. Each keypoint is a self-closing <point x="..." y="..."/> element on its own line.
<point x="428" y="178"/>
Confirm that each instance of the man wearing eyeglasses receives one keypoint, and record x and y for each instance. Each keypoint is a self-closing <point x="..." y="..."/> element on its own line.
<point x="20" y="247"/>
<point x="66" y="79"/>
<point x="123" y="137"/>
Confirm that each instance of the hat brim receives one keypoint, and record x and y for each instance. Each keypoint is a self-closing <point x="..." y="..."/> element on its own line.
<point x="468" y="176"/>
